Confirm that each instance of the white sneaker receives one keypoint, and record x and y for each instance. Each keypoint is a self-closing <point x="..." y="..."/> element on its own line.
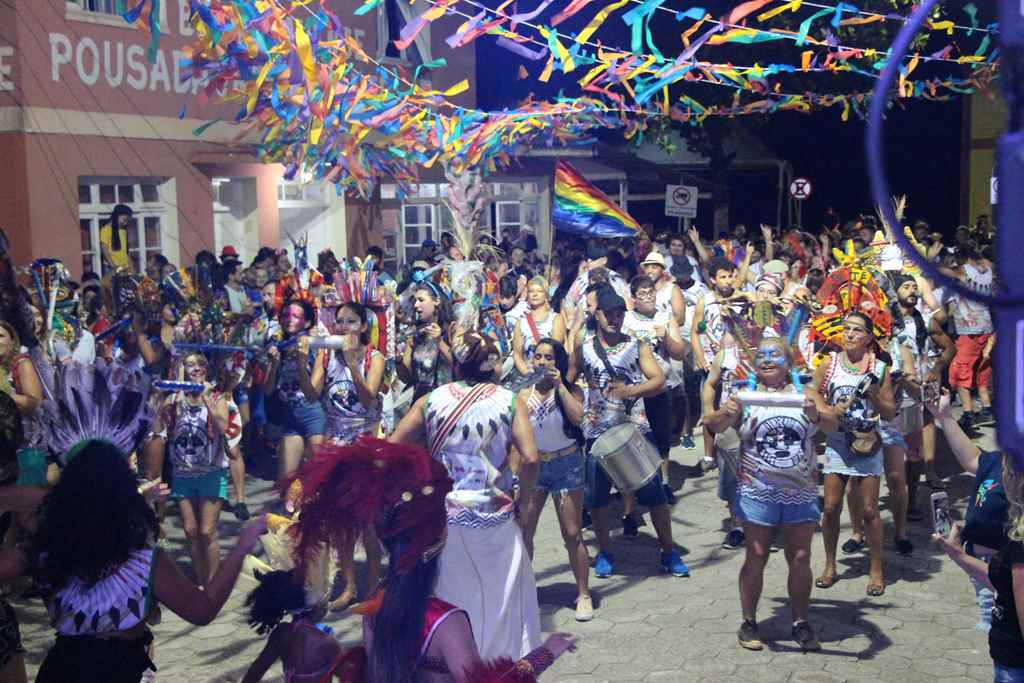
<point x="584" y="608"/>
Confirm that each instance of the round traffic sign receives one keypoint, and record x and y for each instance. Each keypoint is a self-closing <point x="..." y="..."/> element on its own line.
<point x="681" y="196"/>
<point x="800" y="188"/>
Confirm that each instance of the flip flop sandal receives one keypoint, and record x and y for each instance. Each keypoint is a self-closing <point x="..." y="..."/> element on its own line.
<point x="851" y="546"/>
<point x="824" y="581"/>
<point x="876" y="589"/>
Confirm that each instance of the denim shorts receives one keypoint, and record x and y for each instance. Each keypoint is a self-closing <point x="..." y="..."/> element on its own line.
<point x="212" y="485"/>
<point x="768" y="513"/>
<point x="598" y="490"/>
<point x="563" y="474"/>
<point x="303" y="419"/>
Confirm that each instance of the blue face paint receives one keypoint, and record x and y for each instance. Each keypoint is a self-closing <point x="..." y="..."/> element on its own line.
<point x="769" y="355"/>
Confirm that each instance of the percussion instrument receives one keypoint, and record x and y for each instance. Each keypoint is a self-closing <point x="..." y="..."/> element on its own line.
<point x="626" y="456"/>
<point x="778" y="399"/>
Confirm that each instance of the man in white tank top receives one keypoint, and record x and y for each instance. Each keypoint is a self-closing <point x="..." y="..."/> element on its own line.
<point x="620" y="372"/>
<point x="972" y="365"/>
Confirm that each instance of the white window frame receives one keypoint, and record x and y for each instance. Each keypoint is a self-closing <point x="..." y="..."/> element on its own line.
<point x="98" y="213"/>
<point x="78" y="10"/>
<point x="432" y="228"/>
<point x="499" y="224"/>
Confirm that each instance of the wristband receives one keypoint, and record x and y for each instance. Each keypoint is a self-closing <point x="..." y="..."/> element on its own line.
<point x="537" y="661"/>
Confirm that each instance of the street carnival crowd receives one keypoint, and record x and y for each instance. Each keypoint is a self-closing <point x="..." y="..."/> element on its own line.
<point x="425" y="416"/>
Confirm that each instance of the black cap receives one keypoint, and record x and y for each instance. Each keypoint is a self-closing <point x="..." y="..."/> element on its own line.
<point x="609" y="300"/>
<point x="596" y="251"/>
<point x="681" y="268"/>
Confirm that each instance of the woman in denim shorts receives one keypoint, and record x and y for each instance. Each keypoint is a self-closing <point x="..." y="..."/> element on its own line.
<point x="302" y="421"/>
<point x="555" y="413"/>
<point x="776" y="485"/>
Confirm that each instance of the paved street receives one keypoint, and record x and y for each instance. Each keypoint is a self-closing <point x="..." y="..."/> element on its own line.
<point x="655" y="628"/>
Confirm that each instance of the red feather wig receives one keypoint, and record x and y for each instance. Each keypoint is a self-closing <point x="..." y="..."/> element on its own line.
<point x="396" y="488"/>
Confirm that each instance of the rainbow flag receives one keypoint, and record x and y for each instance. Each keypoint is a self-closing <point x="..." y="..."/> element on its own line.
<point x="583" y="209"/>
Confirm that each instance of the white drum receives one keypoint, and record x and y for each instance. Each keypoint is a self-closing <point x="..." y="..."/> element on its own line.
<point x="626" y="456"/>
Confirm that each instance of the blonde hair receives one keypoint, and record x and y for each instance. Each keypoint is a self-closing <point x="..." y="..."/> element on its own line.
<point x="1013" y="485"/>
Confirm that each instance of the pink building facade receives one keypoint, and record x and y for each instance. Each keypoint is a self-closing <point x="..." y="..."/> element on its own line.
<point x="87" y="122"/>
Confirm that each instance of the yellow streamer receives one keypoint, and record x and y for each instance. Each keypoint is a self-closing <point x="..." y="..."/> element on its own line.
<point x="732" y="34"/>
<point x="599" y="19"/>
<point x="592" y="74"/>
<point x="774" y="12"/>
<point x="946" y="26"/>
<point x="693" y="29"/>
<point x="305" y="51"/>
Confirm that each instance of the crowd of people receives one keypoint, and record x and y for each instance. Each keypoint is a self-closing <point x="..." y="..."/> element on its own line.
<point x="427" y="415"/>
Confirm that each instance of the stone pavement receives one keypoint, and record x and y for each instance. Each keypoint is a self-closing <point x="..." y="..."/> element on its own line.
<point x="652" y="627"/>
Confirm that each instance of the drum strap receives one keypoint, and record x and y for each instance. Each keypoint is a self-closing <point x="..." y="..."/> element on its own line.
<point x="612" y="372"/>
<point x="533" y="327"/>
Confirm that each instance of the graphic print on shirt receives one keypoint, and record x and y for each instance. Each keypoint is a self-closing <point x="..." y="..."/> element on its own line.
<point x="191" y="446"/>
<point x="288" y="388"/>
<point x="987" y="487"/>
<point x="858" y="417"/>
<point x="780" y="441"/>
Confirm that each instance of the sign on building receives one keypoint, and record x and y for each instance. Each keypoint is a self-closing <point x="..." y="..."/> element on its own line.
<point x="681" y="201"/>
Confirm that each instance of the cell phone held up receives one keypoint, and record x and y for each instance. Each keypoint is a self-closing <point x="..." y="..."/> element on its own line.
<point x="940" y="513"/>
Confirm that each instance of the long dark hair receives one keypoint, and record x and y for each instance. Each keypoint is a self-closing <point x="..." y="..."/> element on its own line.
<point x="115" y="229"/>
<point x="562" y="363"/>
<point x="442" y="306"/>
<point x="569" y="271"/>
<point x="93" y="519"/>
<point x="398" y="626"/>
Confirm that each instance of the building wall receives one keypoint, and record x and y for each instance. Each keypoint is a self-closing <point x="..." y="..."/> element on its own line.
<point x="984" y="122"/>
<point x="78" y="98"/>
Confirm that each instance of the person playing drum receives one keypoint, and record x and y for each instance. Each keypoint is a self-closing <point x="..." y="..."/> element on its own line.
<point x="620" y="371"/>
<point x="776" y="483"/>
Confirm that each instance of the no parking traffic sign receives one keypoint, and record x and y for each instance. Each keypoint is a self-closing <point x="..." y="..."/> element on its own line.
<point x="681" y="201"/>
<point x="800" y="189"/>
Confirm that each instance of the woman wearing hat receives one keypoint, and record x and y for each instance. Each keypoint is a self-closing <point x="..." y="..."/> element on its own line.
<point x="667" y="297"/>
<point x="471" y="425"/>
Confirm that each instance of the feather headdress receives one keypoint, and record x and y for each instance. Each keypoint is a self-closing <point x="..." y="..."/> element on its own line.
<point x="85" y="407"/>
<point x="847" y="289"/>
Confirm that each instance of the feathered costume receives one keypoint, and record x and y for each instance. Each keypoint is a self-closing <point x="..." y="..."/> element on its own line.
<point x="85" y="406"/>
<point x="849" y="288"/>
<point x="399" y="491"/>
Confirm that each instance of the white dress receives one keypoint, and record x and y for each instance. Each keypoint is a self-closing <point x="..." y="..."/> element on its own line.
<point x="484" y="568"/>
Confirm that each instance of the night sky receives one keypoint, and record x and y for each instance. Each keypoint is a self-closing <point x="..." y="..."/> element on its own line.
<point x="923" y="138"/>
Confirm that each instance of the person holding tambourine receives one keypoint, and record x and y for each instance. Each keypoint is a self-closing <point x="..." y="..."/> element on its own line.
<point x="852" y="385"/>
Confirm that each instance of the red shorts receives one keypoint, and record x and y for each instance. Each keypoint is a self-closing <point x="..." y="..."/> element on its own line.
<point x="969" y="369"/>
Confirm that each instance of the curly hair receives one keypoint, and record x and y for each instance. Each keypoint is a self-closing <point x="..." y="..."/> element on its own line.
<point x="278" y="594"/>
<point x="93" y="519"/>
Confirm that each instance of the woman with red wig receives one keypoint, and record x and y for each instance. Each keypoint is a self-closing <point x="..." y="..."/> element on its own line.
<point x="410" y="634"/>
